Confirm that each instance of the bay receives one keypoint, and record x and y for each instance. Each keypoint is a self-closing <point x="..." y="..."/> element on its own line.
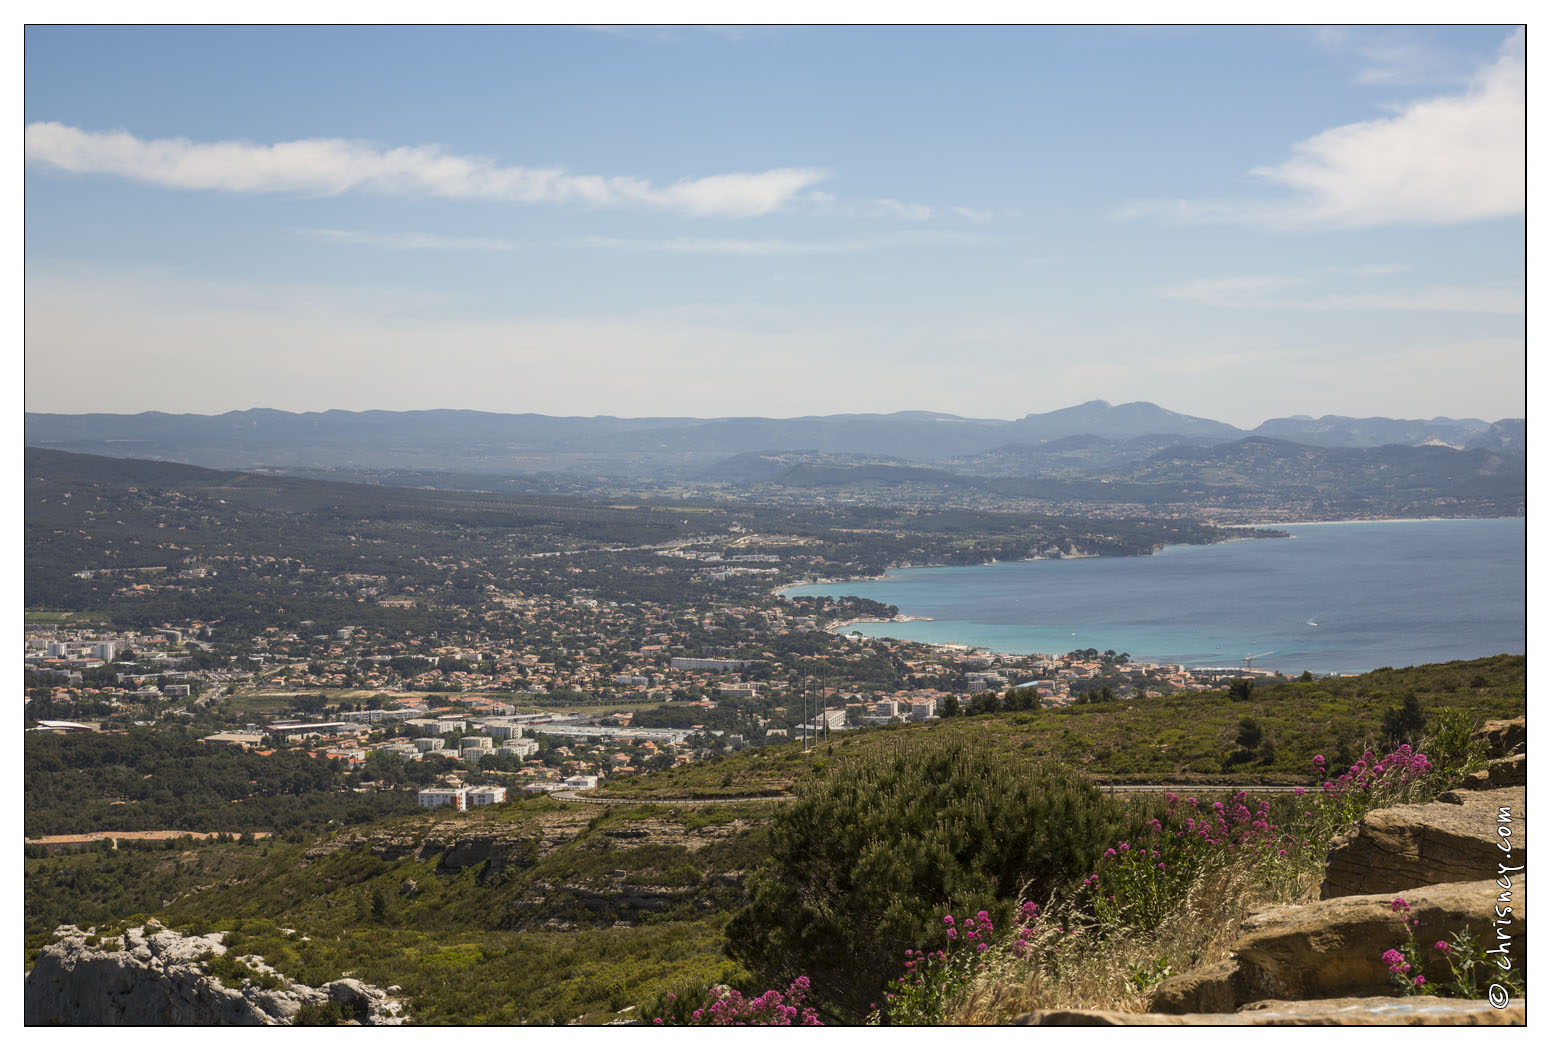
<point x="1331" y="597"/>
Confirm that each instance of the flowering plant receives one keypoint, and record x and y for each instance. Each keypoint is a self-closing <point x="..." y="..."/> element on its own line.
<point x="931" y="979"/>
<point x="724" y="1005"/>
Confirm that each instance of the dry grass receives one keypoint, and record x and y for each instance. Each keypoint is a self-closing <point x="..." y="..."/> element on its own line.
<point x="1084" y="966"/>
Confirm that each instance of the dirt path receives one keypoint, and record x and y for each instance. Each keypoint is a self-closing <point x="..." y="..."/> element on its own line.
<point x="88" y="838"/>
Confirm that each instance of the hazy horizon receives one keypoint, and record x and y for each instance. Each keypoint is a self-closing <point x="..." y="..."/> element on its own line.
<point x="798" y="416"/>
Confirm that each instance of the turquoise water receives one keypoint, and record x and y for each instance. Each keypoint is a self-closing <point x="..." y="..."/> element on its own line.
<point x="1333" y="597"/>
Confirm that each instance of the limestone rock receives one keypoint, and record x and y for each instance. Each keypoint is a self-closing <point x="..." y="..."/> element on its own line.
<point x="156" y="977"/>
<point x="1416" y="845"/>
<point x="1503" y="736"/>
<point x="1379" y="1010"/>
<point x="1499" y="773"/>
<point x="1333" y="948"/>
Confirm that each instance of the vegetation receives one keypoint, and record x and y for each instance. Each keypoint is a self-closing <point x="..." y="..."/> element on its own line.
<point x="563" y="912"/>
<point x="165" y="779"/>
<point x="1185" y="738"/>
<point x="863" y="863"/>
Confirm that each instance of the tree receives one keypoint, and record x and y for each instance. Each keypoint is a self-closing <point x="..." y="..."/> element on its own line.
<point x="1405" y="722"/>
<point x="1240" y="689"/>
<point x="1250" y="734"/>
<point x="949" y="707"/>
<point x="866" y="862"/>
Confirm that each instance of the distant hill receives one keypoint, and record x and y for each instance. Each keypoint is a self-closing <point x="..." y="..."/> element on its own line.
<point x="1375" y="430"/>
<point x="730" y="449"/>
<point x="1131" y="420"/>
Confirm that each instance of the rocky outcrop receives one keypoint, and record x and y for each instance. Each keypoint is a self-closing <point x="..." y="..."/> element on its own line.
<point x="1402" y="847"/>
<point x="1334" y="948"/>
<point x="1503" y="736"/>
<point x="1499" y="773"/>
<point x="1347" y="1011"/>
<point x="150" y="976"/>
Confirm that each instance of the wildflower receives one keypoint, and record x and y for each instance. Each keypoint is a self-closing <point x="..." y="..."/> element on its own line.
<point x="1442" y="946"/>
<point x="1419" y="981"/>
<point x="1400" y="905"/>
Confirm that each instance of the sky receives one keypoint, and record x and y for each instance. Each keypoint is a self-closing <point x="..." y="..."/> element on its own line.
<point x="1233" y="223"/>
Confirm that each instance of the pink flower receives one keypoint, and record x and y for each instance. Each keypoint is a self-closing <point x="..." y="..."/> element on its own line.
<point x="1442" y="946"/>
<point x="1400" y="905"/>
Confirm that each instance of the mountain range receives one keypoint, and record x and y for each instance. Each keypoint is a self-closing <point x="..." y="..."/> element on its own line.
<point x="1094" y="434"/>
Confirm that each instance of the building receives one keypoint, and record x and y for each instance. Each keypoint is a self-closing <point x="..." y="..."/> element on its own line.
<point x="457" y="798"/>
<point x="484" y="795"/>
<point x="707" y="664"/>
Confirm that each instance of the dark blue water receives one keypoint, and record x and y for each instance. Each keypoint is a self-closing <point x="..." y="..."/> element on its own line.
<point x="1333" y="597"/>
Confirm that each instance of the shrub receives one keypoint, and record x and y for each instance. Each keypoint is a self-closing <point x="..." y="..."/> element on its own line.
<point x="864" y="864"/>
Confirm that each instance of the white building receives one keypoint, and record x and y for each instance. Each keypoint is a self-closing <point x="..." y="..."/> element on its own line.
<point x="457" y="798"/>
<point x="484" y="795"/>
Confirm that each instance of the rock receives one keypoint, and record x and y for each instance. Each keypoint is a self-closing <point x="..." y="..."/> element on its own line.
<point x="1333" y="948"/>
<point x="1417" y="845"/>
<point x="1210" y="988"/>
<point x="1502" y="736"/>
<point x="409" y="888"/>
<point x="159" y="979"/>
<point x="1377" y="1010"/>
<point x="1499" y="773"/>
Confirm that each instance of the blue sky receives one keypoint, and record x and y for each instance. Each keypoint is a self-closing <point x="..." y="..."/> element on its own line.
<point x="1238" y="224"/>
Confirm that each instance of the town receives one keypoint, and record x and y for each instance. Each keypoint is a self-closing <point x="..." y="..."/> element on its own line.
<point x="483" y="717"/>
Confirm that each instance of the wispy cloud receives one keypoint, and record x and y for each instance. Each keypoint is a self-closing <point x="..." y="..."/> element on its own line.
<point x="1450" y="159"/>
<point x="1242" y="291"/>
<point x="892" y="209"/>
<point x="1371" y="269"/>
<point x="974" y="215"/>
<point x="335" y="166"/>
<point x="726" y="246"/>
<point x="407" y="242"/>
<point x="1393" y="56"/>
<point x="1267" y="292"/>
<point x="1438" y="297"/>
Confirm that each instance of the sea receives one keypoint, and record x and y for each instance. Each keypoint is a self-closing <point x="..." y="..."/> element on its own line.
<point x="1332" y="597"/>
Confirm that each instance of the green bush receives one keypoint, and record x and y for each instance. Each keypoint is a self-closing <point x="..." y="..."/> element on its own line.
<point x="864" y="864"/>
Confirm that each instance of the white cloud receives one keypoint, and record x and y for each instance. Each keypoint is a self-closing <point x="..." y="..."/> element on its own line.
<point x="726" y="246"/>
<point x="404" y="242"/>
<point x="1442" y="298"/>
<point x="1371" y="269"/>
<point x="1261" y="292"/>
<point x="1392" y="56"/>
<point x="1243" y="291"/>
<point x="1450" y="159"/>
<point x="334" y="166"/>
<point x="890" y="208"/>
<point x="974" y="215"/>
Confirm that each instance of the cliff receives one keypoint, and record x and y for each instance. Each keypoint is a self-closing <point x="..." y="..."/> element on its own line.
<point x="151" y="976"/>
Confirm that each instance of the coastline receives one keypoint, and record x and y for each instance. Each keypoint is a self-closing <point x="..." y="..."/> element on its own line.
<point x="1325" y="657"/>
<point x="1385" y="521"/>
